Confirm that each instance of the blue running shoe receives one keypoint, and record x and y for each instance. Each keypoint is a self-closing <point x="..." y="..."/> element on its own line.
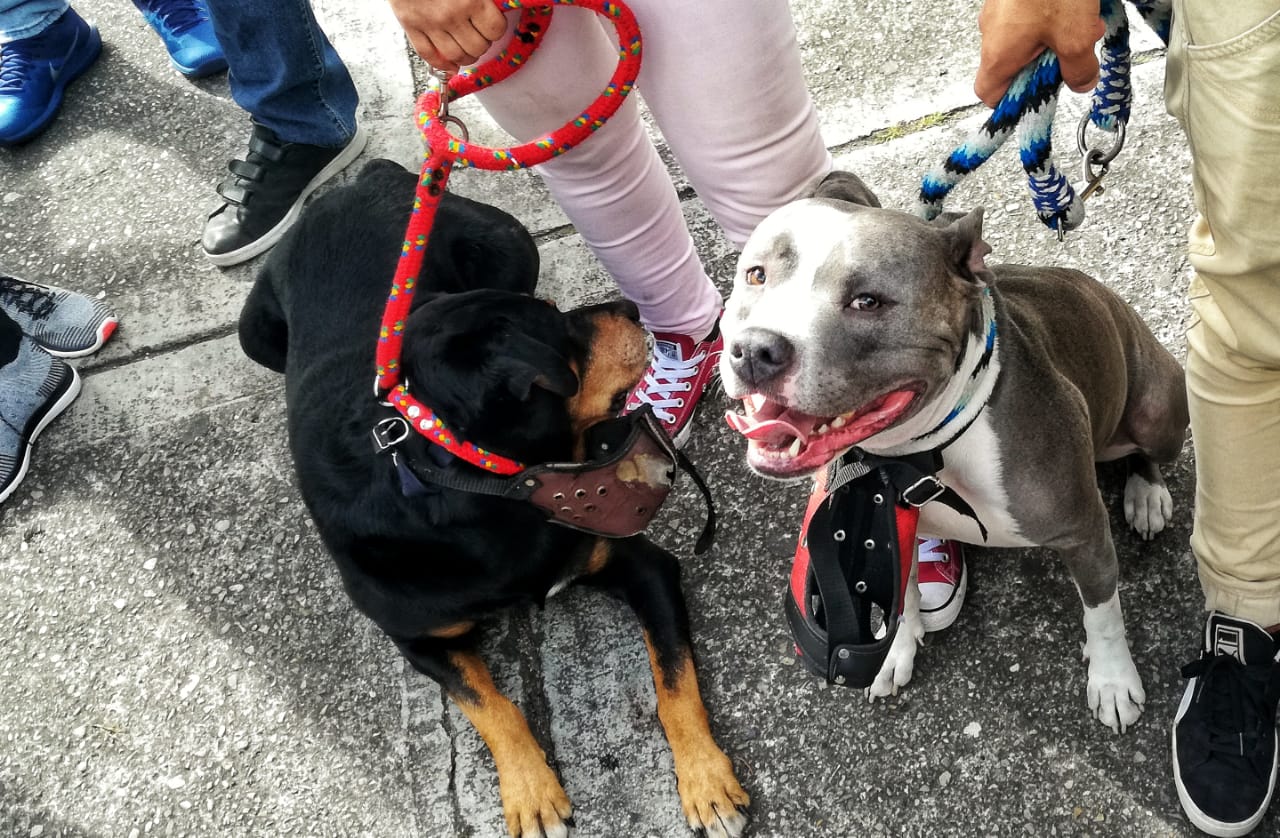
<point x="188" y="35"/>
<point x="35" y="71"/>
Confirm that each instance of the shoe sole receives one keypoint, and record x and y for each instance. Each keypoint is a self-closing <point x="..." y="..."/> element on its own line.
<point x="199" y="71"/>
<point x="942" y="618"/>
<point x="69" y="74"/>
<point x="268" y="239"/>
<point x="105" y="331"/>
<point x="69" y="394"/>
<point x="1199" y="819"/>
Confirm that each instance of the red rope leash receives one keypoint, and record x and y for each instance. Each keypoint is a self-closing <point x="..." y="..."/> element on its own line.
<point x="445" y="151"/>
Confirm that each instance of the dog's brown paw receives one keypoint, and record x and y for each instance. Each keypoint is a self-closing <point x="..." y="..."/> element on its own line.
<point x="534" y="803"/>
<point x="714" y="803"/>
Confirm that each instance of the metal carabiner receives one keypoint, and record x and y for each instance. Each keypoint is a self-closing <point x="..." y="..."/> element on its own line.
<point x="441" y="79"/>
<point x="1096" y="157"/>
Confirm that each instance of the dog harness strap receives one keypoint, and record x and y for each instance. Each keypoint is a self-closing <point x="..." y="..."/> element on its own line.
<point x="914" y="476"/>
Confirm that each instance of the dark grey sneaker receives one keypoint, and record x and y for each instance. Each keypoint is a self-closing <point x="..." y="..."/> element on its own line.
<point x="265" y="192"/>
<point x="65" y="323"/>
<point x="34" y="388"/>
<point x="1224" y="736"/>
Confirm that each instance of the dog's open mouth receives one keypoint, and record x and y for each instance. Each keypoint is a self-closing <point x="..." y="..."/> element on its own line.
<point x="784" y="442"/>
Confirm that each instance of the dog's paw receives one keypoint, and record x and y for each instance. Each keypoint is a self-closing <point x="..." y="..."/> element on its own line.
<point x="1115" y="692"/>
<point x="900" y="662"/>
<point x="534" y="803"/>
<point x="1148" y="507"/>
<point x="714" y="802"/>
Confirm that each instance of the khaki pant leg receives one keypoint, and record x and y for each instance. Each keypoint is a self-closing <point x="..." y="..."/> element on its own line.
<point x="1223" y="85"/>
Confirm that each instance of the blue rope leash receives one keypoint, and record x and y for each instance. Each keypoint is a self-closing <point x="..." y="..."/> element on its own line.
<point x="1028" y="108"/>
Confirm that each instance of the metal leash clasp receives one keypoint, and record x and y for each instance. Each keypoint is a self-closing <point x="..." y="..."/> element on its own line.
<point x="1092" y="157"/>
<point x="441" y="79"/>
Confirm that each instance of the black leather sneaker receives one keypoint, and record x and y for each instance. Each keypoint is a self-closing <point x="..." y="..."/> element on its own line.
<point x="1224" y="736"/>
<point x="265" y="192"/>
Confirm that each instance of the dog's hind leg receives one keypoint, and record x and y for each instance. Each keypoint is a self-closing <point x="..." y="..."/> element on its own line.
<point x="648" y="578"/>
<point x="1154" y="429"/>
<point x="533" y="801"/>
<point x="264" y="332"/>
<point x="1148" y="506"/>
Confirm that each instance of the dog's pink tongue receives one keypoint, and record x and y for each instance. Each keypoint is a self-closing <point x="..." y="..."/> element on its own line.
<point x="770" y="428"/>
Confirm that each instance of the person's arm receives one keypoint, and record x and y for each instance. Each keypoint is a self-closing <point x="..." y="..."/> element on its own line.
<point x="1014" y="32"/>
<point x="450" y="34"/>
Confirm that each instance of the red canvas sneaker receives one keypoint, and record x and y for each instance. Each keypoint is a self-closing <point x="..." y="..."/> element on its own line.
<point x="678" y="375"/>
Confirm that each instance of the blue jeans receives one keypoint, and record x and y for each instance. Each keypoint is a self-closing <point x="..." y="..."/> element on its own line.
<point x="284" y="71"/>
<point x="24" y="18"/>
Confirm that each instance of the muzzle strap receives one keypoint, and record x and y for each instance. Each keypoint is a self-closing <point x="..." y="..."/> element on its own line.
<point x="629" y="471"/>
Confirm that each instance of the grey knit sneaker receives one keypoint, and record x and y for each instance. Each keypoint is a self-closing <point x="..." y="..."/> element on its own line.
<point x="65" y="323"/>
<point x="34" y="388"/>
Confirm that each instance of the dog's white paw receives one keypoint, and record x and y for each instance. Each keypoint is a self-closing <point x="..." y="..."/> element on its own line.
<point x="900" y="663"/>
<point x="1115" y="692"/>
<point x="1148" y="507"/>
<point x="1116" y="698"/>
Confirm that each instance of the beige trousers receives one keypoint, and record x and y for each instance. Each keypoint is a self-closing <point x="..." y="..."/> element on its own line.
<point x="1223" y="85"/>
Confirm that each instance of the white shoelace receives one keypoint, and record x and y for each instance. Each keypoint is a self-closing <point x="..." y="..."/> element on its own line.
<point x="666" y="376"/>
<point x="929" y="551"/>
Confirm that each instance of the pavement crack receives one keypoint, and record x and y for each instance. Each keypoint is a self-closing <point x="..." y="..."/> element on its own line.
<point x="446" y="722"/>
<point x="96" y="365"/>
<point x="405" y="746"/>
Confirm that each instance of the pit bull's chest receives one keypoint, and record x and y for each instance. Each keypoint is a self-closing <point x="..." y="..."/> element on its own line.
<point x="974" y="466"/>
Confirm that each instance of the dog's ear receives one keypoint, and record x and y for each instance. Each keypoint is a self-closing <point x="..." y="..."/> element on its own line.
<point x="533" y="363"/>
<point x="968" y="250"/>
<point x="843" y="186"/>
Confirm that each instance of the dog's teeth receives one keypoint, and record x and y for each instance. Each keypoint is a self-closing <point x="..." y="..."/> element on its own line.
<point x="837" y="422"/>
<point x="822" y="429"/>
<point x="794" y="450"/>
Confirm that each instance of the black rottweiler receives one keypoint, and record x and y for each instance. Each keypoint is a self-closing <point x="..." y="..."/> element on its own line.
<point x="512" y="374"/>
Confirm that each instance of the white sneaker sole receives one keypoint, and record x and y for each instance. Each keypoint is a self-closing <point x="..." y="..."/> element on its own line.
<point x="942" y="618"/>
<point x="269" y="239"/>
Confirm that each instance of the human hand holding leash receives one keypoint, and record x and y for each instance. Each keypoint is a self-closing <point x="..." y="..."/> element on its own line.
<point x="1014" y="32"/>
<point x="450" y="34"/>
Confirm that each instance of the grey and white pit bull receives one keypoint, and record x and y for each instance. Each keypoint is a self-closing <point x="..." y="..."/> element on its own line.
<point x="852" y="325"/>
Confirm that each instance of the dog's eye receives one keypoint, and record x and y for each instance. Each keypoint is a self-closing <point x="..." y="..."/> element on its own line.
<point x="755" y="276"/>
<point x="864" y="302"/>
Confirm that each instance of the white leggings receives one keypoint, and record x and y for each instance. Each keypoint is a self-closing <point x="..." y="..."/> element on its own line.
<point x="723" y="80"/>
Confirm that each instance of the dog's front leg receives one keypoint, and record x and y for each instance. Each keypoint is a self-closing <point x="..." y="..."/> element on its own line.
<point x="533" y="801"/>
<point x="900" y="663"/>
<point x="648" y="577"/>
<point x="1115" y="691"/>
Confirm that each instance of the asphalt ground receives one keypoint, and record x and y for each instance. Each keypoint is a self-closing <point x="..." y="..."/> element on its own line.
<point x="178" y="656"/>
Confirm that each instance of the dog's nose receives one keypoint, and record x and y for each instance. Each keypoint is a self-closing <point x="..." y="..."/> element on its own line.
<point x="758" y="356"/>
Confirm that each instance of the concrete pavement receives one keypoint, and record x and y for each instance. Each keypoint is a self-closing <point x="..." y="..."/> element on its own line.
<point x="179" y="657"/>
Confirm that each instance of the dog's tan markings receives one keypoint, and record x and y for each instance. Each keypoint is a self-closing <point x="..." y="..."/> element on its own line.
<point x="533" y="801"/>
<point x="454" y="630"/>
<point x="710" y="794"/>
<point x="618" y="358"/>
<point x="601" y="552"/>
